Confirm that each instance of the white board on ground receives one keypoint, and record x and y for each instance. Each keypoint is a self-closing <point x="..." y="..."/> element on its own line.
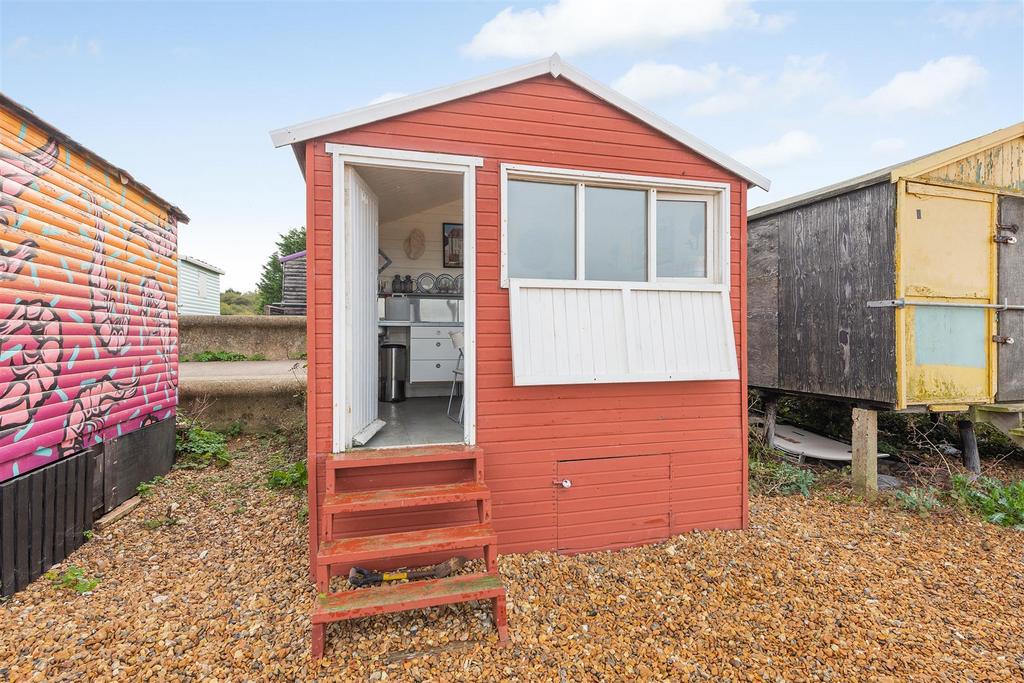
<point x="804" y="444"/>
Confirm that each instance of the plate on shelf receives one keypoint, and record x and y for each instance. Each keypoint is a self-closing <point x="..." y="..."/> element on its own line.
<point x="458" y="284"/>
<point x="445" y="283"/>
<point x="425" y="282"/>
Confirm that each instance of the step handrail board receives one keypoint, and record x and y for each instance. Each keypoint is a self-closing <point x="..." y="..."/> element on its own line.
<point x="392" y="499"/>
<point x="408" y="596"/>
<point x="362" y="548"/>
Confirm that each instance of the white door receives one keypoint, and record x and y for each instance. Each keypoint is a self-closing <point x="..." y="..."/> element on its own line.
<point x="362" y="291"/>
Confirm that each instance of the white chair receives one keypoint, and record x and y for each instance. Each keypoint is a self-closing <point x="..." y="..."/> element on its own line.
<point x="459" y="341"/>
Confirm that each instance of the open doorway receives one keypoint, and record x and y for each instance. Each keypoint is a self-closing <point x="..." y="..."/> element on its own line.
<point x="408" y="356"/>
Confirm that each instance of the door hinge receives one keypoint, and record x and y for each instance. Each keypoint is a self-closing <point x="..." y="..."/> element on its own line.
<point x="1005" y="239"/>
<point x="1002" y="339"/>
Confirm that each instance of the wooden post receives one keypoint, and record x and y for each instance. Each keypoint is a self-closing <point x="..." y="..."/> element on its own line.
<point x="969" y="444"/>
<point x="865" y="451"/>
<point x="771" y="411"/>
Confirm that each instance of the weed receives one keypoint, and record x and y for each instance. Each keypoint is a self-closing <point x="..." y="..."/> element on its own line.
<point x="919" y="500"/>
<point x="199" y="448"/>
<point x="157" y="522"/>
<point x="208" y="356"/>
<point x="73" y="578"/>
<point x="303" y="513"/>
<point x="998" y="503"/>
<point x="771" y="476"/>
<point x="145" y="489"/>
<point x="89" y="534"/>
<point x="289" y="477"/>
<point x="234" y="430"/>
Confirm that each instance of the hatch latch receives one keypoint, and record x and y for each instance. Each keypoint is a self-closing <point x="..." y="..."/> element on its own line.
<point x="1002" y="339"/>
<point x="1005" y="239"/>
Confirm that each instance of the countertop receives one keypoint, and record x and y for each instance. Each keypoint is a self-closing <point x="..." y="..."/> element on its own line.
<point x="407" y="323"/>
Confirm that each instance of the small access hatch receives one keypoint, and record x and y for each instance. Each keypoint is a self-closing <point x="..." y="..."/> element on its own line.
<point x="612" y="502"/>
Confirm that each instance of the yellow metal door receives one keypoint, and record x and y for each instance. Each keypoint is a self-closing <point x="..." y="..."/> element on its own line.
<point x="946" y="273"/>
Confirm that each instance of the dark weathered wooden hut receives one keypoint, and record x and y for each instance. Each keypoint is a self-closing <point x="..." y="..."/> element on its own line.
<point x="293" y="286"/>
<point x="899" y="289"/>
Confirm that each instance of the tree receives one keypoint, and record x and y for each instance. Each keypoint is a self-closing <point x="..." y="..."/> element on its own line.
<point x="269" y="286"/>
<point x="233" y="302"/>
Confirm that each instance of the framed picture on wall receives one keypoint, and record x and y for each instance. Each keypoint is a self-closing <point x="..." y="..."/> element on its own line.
<point x="451" y="237"/>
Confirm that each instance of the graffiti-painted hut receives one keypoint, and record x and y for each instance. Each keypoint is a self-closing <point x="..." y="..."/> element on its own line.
<point x="88" y="340"/>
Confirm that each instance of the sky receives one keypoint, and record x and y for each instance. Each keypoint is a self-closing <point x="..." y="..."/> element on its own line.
<point x="183" y="95"/>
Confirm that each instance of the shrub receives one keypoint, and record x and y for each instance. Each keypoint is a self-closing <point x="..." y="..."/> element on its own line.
<point x="998" y="503"/>
<point x="919" y="500"/>
<point x="199" y="448"/>
<point x="208" y="356"/>
<point x="770" y="476"/>
<point x="290" y="477"/>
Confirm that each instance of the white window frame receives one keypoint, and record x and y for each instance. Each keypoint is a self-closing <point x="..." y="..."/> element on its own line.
<point x="714" y="194"/>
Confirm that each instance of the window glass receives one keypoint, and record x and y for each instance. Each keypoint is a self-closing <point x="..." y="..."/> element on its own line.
<point x="541" y="230"/>
<point x="615" y="234"/>
<point x="682" y="238"/>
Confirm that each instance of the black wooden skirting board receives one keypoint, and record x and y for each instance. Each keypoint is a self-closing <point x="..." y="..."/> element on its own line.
<point x="43" y="518"/>
<point x="45" y="513"/>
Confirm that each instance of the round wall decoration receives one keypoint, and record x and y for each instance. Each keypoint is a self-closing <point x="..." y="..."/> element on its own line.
<point x="414" y="244"/>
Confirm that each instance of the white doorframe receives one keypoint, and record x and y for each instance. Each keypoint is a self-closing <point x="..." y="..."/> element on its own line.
<point x="341" y="389"/>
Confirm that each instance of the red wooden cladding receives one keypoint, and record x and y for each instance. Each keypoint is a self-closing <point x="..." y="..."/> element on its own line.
<point x="679" y="446"/>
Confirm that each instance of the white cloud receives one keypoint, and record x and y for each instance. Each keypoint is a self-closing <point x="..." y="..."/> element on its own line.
<point x="387" y="96"/>
<point x="726" y="102"/>
<point x="23" y="46"/>
<point x="574" y="27"/>
<point x="981" y="16"/>
<point x="651" y="81"/>
<point x="800" y="77"/>
<point x="18" y="45"/>
<point x="887" y="147"/>
<point x="938" y="82"/>
<point x="792" y="146"/>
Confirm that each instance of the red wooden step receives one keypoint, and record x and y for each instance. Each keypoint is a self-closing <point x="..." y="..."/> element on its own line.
<point x="406" y="596"/>
<point x="401" y="456"/>
<point x="390" y="499"/>
<point x="362" y="548"/>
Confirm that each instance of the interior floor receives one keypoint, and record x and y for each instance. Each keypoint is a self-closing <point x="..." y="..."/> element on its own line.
<point x="416" y="421"/>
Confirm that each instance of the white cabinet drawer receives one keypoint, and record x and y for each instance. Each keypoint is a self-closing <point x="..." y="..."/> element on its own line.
<point x="432" y="370"/>
<point x="439" y="332"/>
<point x="433" y="349"/>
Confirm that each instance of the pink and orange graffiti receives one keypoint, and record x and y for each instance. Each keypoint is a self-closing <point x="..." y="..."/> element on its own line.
<point x="88" y="285"/>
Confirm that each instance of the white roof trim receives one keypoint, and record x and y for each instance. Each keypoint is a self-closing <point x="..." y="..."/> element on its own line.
<point x="554" y="66"/>
<point x="201" y="264"/>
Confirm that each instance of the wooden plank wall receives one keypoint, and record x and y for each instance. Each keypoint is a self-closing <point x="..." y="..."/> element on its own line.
<point x="43" y="518"/>
<point x="527" y="431"/>
<point x="833" y="256"/>
<point x="763" y="302"/>
<point x="1011" y="289"/>
<point x="293" y="283"/>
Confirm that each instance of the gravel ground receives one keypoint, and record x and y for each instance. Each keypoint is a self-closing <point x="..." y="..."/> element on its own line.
<point x="817" y="589"/>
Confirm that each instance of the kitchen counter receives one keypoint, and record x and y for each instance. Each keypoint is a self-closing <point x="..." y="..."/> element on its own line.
<point x="407" y="323"/>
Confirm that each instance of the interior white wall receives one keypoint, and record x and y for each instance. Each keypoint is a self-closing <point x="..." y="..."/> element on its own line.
<point x="429" y="221"/>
